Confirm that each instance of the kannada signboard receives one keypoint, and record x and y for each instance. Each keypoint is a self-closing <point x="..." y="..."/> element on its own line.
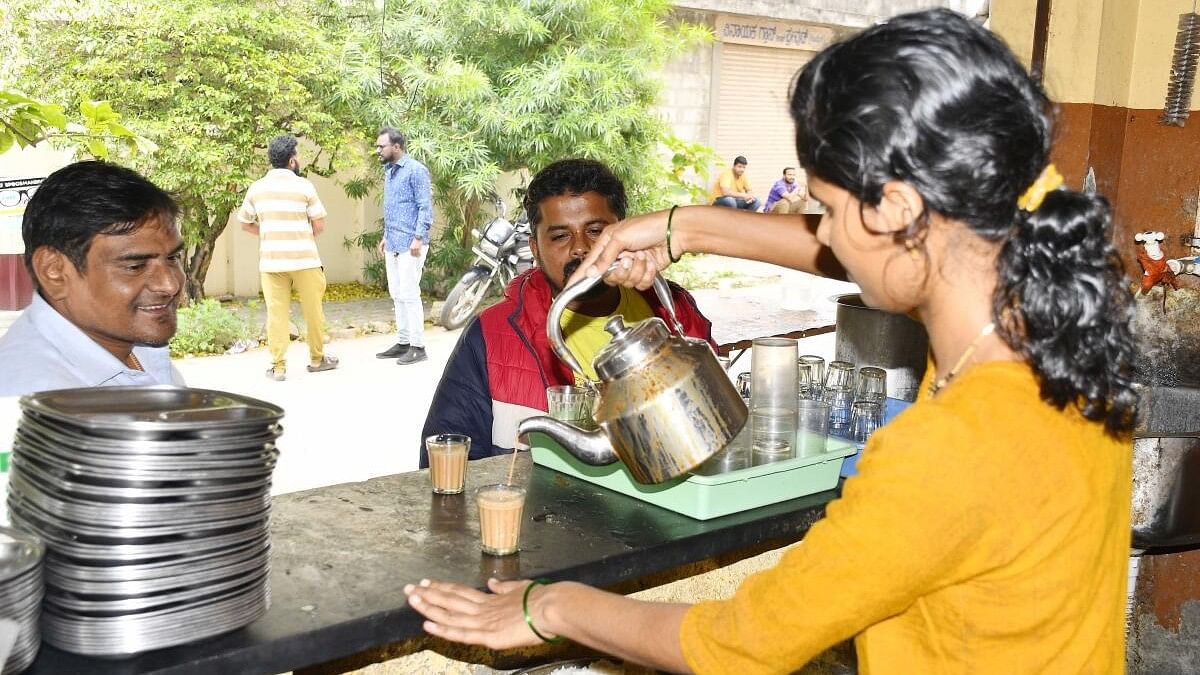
<point x="14" y="195"/>
<point x="16" y="290"/>
<point x="765" y="33"/>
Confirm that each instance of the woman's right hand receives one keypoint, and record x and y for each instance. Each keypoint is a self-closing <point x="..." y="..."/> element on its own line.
<point x="640" y="243"/>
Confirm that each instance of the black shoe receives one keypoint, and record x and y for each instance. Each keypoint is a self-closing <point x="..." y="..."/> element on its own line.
<point x="413" y="355"/>
<point x="392" y="352"/>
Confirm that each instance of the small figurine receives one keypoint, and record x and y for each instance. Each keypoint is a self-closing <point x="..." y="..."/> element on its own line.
<point x="1156" y="269"/>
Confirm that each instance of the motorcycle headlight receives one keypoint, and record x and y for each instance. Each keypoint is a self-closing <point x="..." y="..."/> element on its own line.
<point x="488" y="248"/>
<point x="498" y="231"/>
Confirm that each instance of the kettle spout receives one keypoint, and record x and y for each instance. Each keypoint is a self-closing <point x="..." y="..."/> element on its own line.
<point x="589" y="447"/>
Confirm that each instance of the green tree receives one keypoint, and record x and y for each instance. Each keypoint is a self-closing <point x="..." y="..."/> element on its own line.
<point x="485" y="87"/>
<point x="25" y="122"/>
<point x="208" y="81"/>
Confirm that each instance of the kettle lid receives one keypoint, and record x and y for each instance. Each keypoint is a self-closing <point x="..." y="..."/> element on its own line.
<point x="629" y="346"/>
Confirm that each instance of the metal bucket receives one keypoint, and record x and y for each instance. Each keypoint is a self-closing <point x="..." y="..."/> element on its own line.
<point x="1166" y="468"/>
<point x="894" y="342"/>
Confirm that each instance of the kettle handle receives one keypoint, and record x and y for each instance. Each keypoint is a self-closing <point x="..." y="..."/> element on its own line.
<point x="553" y="321"/>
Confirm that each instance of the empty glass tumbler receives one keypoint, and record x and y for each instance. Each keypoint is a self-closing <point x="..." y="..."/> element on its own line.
<point x="773" y="395"/>
<point x="812" y="427"/>
<point x="571" y="404"/>
<point x="839" y="394"/>
<point x="743" y="387"/>
<point x="810" y="369"/>
<point x="865" y="418"/>
<point x="872" y="384"/>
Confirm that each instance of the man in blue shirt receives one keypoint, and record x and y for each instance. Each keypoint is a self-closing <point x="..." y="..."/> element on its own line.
<point x="407" y="217"/>
<point x="103" y="250"/>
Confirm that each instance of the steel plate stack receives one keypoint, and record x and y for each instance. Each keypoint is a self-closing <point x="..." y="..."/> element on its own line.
<point x="21" y="594"/>
<point x="153" y="503"/>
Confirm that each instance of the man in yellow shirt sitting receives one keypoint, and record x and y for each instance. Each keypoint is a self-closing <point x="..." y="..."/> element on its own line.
<point x="732" y="188"/>
<point x="499" y="371"/>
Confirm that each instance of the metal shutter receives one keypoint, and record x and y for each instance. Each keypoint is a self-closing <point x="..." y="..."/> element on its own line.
<point x="752" y="111"/>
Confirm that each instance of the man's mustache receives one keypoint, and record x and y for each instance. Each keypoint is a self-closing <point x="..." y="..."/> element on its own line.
<point x="570" y="269"/>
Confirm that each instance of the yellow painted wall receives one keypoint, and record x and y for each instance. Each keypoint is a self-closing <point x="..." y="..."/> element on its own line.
<point x="1110" y="52"/>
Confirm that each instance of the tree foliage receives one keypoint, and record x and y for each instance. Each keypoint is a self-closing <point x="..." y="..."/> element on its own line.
<point x="25" y="122"/>
<point x="208" y="81"/>
<point x="483" y="88"/>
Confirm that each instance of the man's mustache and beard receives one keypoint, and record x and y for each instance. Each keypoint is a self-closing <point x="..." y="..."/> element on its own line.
<point x="570" y="268"/>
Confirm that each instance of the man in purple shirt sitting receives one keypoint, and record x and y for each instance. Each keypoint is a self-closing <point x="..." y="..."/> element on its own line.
<point x="787" y="195"/>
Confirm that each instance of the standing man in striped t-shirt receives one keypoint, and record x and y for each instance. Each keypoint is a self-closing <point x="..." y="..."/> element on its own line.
<point x="284" y="212"/>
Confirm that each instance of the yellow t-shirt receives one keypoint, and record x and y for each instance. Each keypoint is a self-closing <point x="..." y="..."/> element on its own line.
<point x="985" y="532"/>
<point x="731" y="183"/>
<point x="585" y="335"/>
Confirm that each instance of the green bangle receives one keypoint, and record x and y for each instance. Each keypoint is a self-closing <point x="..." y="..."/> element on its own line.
<point x="671" y="216"/>
<point x="529" y="619"/>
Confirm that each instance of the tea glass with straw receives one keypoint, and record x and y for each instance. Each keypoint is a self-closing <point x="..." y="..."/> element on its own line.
<point x="501" y="506"/>
<point x="872" y="384"/>
<point x="773" y="395"/>
<point x="811" y="368"/>
<point x="838" y="392"/>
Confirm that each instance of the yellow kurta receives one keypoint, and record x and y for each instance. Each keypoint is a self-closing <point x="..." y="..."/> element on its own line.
<point x="986" y="532"/>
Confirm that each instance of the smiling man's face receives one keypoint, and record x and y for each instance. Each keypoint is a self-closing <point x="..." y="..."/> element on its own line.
<point x="128" y="291"/>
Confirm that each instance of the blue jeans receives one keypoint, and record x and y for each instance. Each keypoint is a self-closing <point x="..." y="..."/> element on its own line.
<point x="737" y="203"/>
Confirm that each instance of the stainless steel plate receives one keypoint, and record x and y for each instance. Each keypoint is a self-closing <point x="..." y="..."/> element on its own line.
<point x="53" y="432"/>
<point x="151" y="413"/>
<point x="20" y="552"/>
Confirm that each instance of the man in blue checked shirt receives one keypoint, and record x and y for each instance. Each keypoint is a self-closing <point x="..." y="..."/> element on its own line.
<point x="407" y="216"/>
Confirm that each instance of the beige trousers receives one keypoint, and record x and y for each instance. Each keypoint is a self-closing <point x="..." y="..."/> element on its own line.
<point x="277" y="294"/>
<point x="784" y="206"/>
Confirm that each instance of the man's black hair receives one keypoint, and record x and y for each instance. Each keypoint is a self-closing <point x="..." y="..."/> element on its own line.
<point x="787" y="169"/>
<point x="281" y="150"/>
<point x="395" y="136"/>
<point x="84" y="199"/>
<point x="574" y="177"/>
<point x="740" y="159"/>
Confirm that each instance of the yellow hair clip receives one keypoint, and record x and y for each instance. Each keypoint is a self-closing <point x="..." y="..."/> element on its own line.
<point x="1049" y="181"/>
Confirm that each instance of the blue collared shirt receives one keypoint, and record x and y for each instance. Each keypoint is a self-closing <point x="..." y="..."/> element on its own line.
<point x="407" y="204"/>
<point x="42" y="350"/>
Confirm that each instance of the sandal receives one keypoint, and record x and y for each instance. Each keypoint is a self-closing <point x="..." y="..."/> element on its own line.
<point x="277" y="374"/>
<point x="327" y="363"/>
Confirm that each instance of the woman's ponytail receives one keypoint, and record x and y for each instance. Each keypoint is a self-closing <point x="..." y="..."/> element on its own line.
<point x="1062" y="302"/>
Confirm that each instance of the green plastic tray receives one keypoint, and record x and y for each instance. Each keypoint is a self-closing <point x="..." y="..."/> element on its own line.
<point x="705" y="497"/>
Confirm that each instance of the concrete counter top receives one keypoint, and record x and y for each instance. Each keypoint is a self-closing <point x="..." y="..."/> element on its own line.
<point x="342" y="554"/>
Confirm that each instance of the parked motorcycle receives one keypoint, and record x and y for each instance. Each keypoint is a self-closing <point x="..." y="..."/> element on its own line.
<point x="501" y="253"/>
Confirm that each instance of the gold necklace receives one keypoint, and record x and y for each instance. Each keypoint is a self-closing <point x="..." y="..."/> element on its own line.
<point x="133" y="362"/>
<point x="937" y="385"/>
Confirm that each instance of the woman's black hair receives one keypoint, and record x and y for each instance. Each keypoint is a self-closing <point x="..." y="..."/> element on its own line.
<point x="940" y="103"/>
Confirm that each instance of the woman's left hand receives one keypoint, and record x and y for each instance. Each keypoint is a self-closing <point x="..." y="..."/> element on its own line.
<point x="460" y="613"/>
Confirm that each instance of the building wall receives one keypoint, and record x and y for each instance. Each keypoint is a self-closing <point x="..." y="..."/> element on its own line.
<point x="1108" y="64"/>
<point x="695" y="95"/>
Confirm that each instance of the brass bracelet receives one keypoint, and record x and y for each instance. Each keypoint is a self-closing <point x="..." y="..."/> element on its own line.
<point x="529" y="619"/>
<point x="671" y="216"/>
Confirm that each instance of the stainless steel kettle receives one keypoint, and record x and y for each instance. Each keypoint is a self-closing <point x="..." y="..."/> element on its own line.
<point x="665" y="403"/>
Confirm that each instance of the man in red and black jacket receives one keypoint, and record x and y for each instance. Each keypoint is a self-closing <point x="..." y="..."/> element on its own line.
<point x="499" y="371"/>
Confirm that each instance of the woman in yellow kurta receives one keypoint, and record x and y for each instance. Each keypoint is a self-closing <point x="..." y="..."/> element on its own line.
<point x="988" y="527"/>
